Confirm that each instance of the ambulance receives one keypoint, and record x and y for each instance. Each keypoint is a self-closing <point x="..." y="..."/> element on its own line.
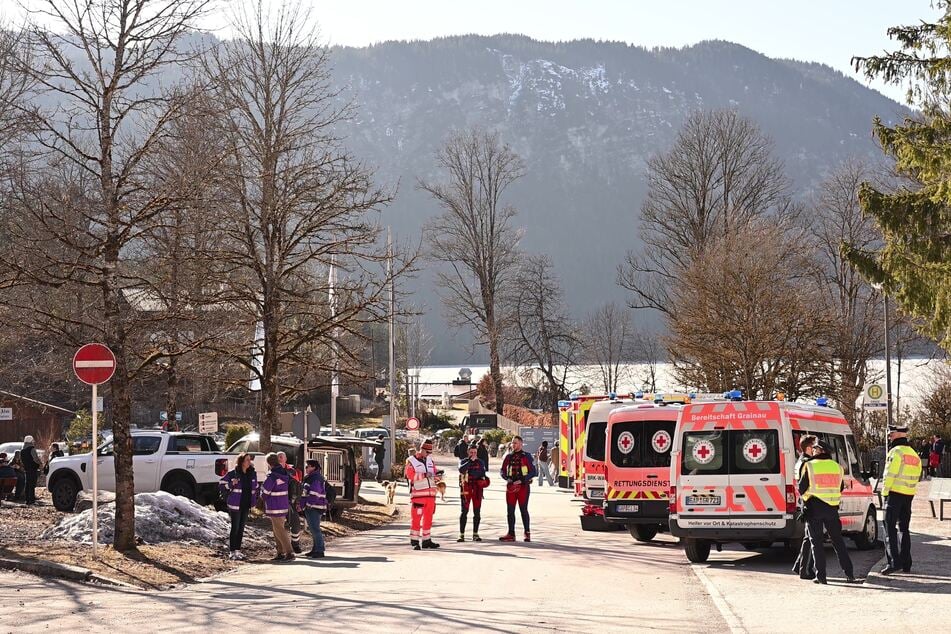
<point x="732" y="476"/>
<point x="573" y="419"/>
<point x="593" y="452"/>
<point x="637" y="467"/>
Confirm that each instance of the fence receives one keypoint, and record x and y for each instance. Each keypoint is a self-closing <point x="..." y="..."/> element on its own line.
<point x="944" y="469"/>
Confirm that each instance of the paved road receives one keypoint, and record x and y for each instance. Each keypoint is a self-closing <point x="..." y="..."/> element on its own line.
<point x="565" y="580"/>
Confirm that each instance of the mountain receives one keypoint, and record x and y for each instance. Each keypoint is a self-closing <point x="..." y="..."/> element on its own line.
<point x="585" y="116"/>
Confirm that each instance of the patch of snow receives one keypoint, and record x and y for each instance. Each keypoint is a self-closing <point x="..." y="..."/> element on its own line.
<point x="159" y="517"/>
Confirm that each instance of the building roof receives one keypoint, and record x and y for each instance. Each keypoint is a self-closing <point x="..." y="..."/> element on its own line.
<point x="36" y="402"/>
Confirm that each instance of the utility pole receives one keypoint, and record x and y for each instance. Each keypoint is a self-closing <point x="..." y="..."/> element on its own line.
<point x="334" y="376"/>
<point x="392" y="346"/>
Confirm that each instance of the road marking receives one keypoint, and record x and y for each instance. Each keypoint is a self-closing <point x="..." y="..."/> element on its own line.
<point x="732" y="621"/>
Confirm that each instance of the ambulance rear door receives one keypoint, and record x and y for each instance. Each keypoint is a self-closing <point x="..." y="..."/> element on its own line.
<point x="757" y="481"/>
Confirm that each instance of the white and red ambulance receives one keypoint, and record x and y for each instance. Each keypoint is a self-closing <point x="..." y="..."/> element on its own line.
<point x="732" y="476"/>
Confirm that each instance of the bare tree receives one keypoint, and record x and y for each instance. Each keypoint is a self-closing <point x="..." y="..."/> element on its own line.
<point x="475" y="237"/>
<point x="853" y="307"/>
<point x="295" y="200"/>
<point x="747" y="315"/>
<point x="719" y="176"/>
<point x="541" y="335"/>
<point x="181" y="278"/>
<point x="89" y="202"/>
<point x="649" y="350"/>
<point x="608" y="335"/>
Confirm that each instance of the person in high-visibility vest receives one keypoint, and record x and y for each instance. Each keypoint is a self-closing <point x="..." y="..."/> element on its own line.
<point x="902" y="471"/>
<point x="804" y="566"/>
<point x="821" y="487"/>
<point x="421" y="473"/>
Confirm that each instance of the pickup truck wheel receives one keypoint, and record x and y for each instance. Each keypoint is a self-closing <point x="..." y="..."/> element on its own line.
<point x="64" y="493"/>
<point x="181" y="487"/>
<point x="643" y="532"/>
<point x="697" y="550"/>
<point x="869" y="535"/>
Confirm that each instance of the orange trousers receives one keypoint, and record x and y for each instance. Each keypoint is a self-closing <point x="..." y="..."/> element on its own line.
<point x="421" y="517"/>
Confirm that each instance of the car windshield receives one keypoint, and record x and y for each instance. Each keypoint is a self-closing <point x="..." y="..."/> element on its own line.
<point x="594" y="445"/>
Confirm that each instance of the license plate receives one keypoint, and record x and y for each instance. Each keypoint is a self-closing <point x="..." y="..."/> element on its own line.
<point x="596" y="493"/>
<point x="703" y="500"/>
<point x="628" y="508"/>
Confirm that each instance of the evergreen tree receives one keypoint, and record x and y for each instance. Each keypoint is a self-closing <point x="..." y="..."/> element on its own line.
<point x="914" y="261"/>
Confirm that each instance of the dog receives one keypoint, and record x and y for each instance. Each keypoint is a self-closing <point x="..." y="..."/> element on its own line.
<point x="390" y="488"/>
<point x="441" y="487"/>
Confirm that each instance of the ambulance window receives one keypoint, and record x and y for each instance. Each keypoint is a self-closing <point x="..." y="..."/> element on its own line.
<point x="755" y="451"/>
<point x="626" y="444"/>
<point x="710" y="452"/>
<point x="840" y="454"/>
<point x="854" y="456"/>
<point x="594" y="444"/>
<point x="658" y="438"/>
<point x="796" y="437"/>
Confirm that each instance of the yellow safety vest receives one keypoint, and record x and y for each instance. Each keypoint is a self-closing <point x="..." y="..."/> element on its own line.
<point x="825" y="481"/>
<point x="902" y="470"/>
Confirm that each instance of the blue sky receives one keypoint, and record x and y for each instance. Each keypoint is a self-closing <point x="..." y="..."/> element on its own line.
<point x="830" y="32"/>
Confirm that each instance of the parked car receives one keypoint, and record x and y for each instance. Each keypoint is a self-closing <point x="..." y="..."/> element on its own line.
<point x="180" y="463"/>
<point x="371" y="432"/>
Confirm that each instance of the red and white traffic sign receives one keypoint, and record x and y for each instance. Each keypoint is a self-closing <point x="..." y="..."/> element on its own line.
<point x="412" y="424"/>
<point x="94" y="364"/>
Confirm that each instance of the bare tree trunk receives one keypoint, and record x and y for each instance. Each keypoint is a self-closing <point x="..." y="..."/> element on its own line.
<point x="171" y="389"/>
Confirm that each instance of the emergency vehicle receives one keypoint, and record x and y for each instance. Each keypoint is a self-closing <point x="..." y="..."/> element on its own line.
<point x="572" y="419"/>
<point x="637" y="467"/>
<point x="593" y="451"/>
<point x="732" y="475"/>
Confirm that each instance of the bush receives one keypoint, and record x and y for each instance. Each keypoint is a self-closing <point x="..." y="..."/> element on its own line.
<point x="236" y="432"/>
<point x="80" y="430"/>
<point x="434" y="422"/>
<point x="497" y="435"/>
<point x="400" y="454"/>
<point x="452" y="434"/>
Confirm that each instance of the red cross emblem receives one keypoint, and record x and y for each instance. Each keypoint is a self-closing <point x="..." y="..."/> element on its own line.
<point x="661" y="441"/>
<point x="703" y="452"/>
<point x="625" y="442"/>
<point x="754" y="450"/>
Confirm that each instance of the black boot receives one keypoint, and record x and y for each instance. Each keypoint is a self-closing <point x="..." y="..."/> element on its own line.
<point x="430" y="544"/>
<point x="414" y="543"/>
<point x="296" y="547"/>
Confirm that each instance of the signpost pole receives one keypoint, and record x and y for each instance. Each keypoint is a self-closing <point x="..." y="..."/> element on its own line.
<point x="888" y="373"/>
<point x="95" y="473"/>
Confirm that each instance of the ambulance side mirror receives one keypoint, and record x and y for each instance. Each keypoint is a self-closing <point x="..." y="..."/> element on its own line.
<point x="876" y="468"/>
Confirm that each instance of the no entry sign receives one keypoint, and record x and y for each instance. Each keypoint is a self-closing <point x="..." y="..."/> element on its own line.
<point x="94" y="364"/>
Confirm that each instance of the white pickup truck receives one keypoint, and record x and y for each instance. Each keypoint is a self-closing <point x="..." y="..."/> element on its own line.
<point x="179" y="463"/>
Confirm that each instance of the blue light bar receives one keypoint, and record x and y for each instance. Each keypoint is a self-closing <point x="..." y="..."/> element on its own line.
<point x="822" y="401"/>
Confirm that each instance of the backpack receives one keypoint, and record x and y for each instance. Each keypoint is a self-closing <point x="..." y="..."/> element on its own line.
<point x="543" y="454"/>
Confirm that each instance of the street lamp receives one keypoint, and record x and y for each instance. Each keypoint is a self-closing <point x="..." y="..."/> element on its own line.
<point x="888" y="365"/>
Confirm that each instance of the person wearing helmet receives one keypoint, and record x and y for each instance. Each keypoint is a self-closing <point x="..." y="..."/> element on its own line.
<point x="473" y="481"/>
<point x="821" y="487"/>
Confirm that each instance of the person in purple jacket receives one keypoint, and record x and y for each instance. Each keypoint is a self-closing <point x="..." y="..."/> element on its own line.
<point x="240" y="488"/>
<point x="276" y="506"/>
<point x="314" y="501"/>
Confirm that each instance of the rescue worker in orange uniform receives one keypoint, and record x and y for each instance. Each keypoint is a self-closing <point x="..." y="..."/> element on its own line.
<point x="472" y="483"/>
<point x="518" y="471"/>
<point x="421" y="474"/>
